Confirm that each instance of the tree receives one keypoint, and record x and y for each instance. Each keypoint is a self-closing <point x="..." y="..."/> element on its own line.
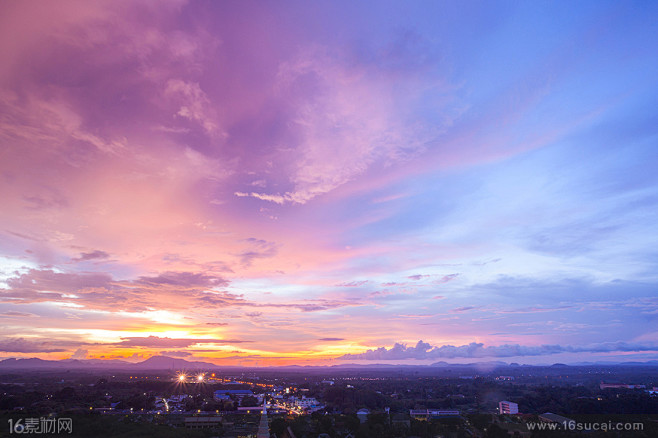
<point x="278" y="426"/>
<point x="249" y="400"/>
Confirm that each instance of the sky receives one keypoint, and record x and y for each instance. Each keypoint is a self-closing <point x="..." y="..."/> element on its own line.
<point x="316" y="183"/>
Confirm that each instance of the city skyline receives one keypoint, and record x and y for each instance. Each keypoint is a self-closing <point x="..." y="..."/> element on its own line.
<point x="253" y="183"/>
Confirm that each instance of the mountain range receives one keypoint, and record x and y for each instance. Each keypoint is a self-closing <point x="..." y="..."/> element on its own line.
<point x="171" y="363"/>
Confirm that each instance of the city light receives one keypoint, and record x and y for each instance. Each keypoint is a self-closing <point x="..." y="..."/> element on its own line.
<point x="200" y="378"/>
<point x="182" y="377"/>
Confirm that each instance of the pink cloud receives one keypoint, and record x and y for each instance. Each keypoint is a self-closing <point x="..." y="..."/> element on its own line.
<point x="21" y="345"/>
<point x="158" y="342"/>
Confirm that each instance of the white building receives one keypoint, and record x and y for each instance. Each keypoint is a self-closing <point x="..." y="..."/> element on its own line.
<point x="306" y="402"/>
<point x="426" y="414"/>
<point x="508" y="407"/>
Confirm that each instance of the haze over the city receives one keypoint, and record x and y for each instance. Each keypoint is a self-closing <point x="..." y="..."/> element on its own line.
<point x="320" y="183"/>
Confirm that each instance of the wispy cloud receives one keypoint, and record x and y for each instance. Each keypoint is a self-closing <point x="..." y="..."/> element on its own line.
<point x="93" y="255"/>
<point x="158" y="342"/>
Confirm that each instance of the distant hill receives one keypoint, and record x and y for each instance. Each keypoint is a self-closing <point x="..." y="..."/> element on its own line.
<point x="171" y="363"/>
<point x="152" y="363"/>
<point x="166" y="363"/>
<point x="31" y="363"/>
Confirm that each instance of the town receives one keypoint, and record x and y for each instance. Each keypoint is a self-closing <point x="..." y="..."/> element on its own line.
<point x="329" y="402"/>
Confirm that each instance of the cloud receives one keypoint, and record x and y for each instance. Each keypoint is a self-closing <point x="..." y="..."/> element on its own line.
<point x="314" y="306"/>
<point x="194" y="105"/>
<point x="352" y="283"/>
<point x="158" y="342"/>
<point x="446" y="278"/>
<point x="463" y="309"/>
<point x="41" y="202"/>
<point x="331" y="339"/>
<point x="177" y="353"/>
<point x="80" y="354"/>
<point x="351" y="114"/>
<point x="423" y="350"/>
<point x="260" y="249"/>
<point x="14" y="314"/>
<point x="167" y="291"/>
<point x="22" y="345"/>
<point x="185" y="279"/>
<point x="537" y="309"/>
<point x="93" y="255"/>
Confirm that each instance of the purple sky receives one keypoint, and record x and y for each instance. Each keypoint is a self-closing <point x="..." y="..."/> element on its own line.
<point x="266" y="183"/>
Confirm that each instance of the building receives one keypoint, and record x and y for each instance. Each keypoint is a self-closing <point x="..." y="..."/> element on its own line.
<point x="549" y="417"/>
<point x="263" y="426"/>
<point x="620" y="386"/>
<point x="426" y="414"/>
<point x="507" y="407"/>
<point x="505" y="378"/>
<point x="306" y="402"/>
<point x="203" y="422"/>
<point x="238" y="393"/>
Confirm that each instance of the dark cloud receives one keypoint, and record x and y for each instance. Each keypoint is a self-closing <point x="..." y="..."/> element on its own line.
<point x="331" y="339"/>
<point x="423" y="350"/>
<point x="352" y="283"/>
<point x="417" y="277"/>
<point x="315" y="306"/>
<point x="169" y="291"/>
<point x="94" y="255"/>
<point x="25" y="236"/>
<point x="445" y="279"/>
<point x="14" y="314"/>
<point x="259" y="249"/>
<point x="213" y="266"/>
<point x="176" y="353"/>
<point x="463" y="309"/>
<point x="44" y="202"/>
<point x="36" y="281"/>
<point x="22" y="345"/>
<point x="380" y="293"/>
<point x="188" y="279"/>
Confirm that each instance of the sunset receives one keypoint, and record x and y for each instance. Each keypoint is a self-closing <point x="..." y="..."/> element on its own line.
<point x="323" y="183"/>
